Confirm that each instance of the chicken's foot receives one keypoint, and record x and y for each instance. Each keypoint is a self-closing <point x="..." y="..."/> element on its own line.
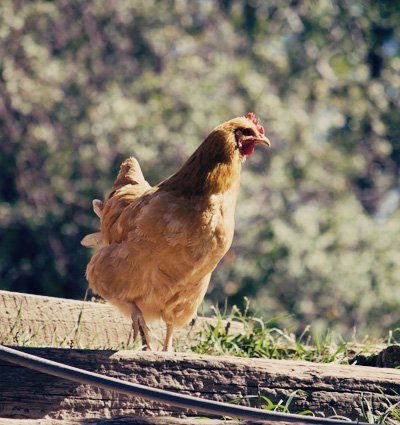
<point x="139" y="326"/>
<point x="168" y="338"/>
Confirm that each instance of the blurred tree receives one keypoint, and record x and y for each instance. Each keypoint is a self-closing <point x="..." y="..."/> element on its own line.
<point x="85" y="84"/>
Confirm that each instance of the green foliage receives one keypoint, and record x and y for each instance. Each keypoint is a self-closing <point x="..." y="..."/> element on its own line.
<point x="85" y="84"/>
<point x="268" y="339"/>
<point x="283" y="406"/>
<point x="390" y="417"/>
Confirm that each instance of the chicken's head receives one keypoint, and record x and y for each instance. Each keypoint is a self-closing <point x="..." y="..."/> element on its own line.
<point x="236" y="139"/>
<point x="248" y="134"/>
<point x="216" y="164"/>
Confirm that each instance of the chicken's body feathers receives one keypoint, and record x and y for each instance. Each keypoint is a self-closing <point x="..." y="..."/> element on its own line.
<point x="162" y="251"/>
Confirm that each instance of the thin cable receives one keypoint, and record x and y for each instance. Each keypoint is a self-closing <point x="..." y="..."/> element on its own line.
<point x="162" y="396"/>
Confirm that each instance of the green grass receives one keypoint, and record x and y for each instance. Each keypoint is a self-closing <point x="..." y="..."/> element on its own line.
<point x="390" y="417"/>
<point x="288" y="405"/>
<point x="266" y="339"/>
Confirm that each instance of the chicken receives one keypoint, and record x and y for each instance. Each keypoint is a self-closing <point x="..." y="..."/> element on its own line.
<point x="158" y="246"/>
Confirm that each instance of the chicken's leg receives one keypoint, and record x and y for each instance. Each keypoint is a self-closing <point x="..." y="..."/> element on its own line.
<point x="168" y="338"/>
<point x="139" y="326"/>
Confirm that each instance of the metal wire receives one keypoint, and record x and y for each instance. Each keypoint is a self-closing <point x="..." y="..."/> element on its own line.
<point x="162" y="396"/>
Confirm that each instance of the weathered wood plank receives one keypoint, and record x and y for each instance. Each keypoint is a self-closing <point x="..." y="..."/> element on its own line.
<point x="133" y="420"/>
<point x="323" y="388"/>
<point x="48" y="321"/>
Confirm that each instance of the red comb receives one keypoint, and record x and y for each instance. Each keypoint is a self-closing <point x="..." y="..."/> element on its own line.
<point x="250" y="116"/>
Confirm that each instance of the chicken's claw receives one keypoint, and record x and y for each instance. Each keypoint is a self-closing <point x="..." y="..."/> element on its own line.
<point x="139" y="326"/>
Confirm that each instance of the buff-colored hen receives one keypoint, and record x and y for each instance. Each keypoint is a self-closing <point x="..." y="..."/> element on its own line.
<point x="158" y="246"/>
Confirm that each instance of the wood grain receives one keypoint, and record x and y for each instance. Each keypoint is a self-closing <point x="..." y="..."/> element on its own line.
<point x="133" y="420"/>
<point x="322" y="388"/>
<point x="48" y="321"/>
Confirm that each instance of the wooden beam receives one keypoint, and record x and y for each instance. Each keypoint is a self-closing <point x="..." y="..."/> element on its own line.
<point x="46" y="321"/>
<point x="133" y="420"/>
<point x="325" y="389"/>
<point x="129" y="420"/>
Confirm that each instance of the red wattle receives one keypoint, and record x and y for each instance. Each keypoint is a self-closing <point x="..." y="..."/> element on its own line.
<point x="248" y="149"/>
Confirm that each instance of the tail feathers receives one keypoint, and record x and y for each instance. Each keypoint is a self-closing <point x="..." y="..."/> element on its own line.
<point x="129" y="184"/>
<point x="98" y="207"/>
<point x="94" y="240"/>
<point x="130" y="173"/>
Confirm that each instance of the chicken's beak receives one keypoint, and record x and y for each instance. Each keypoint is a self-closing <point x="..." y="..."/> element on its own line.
<point x="263" y="141"/>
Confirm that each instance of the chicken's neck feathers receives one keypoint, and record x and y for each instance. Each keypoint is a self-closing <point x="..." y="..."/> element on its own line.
<point x="213" y="168"/>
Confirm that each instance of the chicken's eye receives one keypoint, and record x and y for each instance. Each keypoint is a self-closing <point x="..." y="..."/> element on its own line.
<point x="247" y="132"/>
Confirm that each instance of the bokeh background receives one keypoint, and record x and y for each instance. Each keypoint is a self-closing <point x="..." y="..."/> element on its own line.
<point x="84" y="84"/>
